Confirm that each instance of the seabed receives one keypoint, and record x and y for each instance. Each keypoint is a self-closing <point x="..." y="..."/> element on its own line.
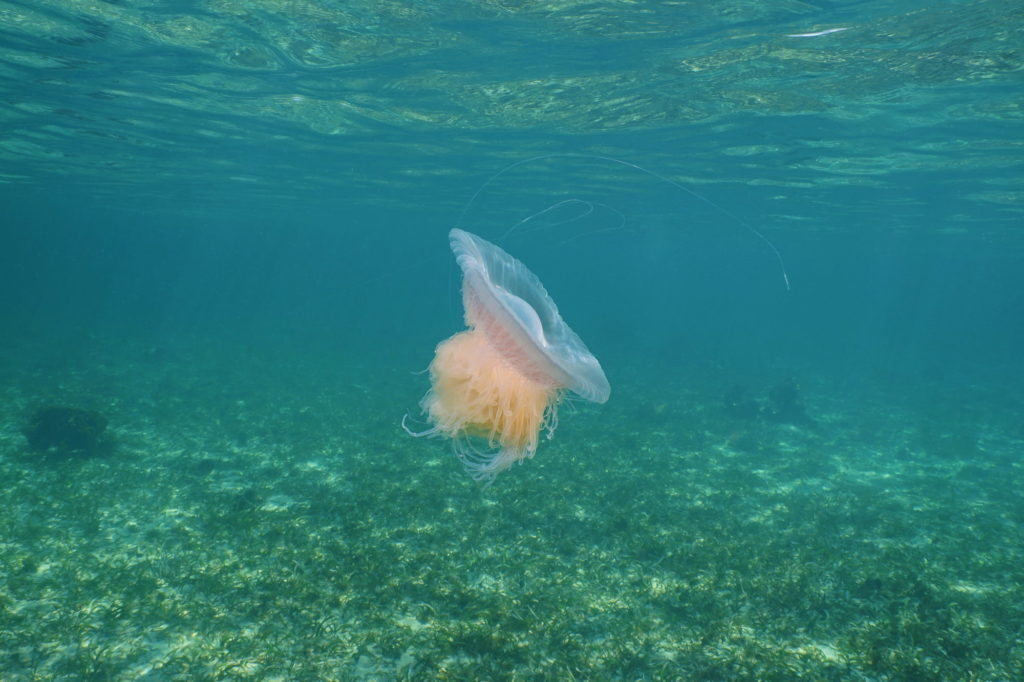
<point x="267" y="518"/>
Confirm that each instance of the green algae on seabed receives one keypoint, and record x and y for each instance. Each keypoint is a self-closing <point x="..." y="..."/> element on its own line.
<point x="257" y="524"/>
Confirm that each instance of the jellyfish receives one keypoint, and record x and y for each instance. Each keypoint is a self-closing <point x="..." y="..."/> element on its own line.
<point x="500" y="381"/>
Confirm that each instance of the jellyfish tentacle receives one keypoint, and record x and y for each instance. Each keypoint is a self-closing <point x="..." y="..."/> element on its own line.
<point x="429" y="433"/>
<point x="627" y="164"/>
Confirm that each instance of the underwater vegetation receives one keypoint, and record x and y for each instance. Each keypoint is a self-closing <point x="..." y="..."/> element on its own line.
<point x="66" y="431"/>
<point x="654" y="545"/>
<point x="784" y="404"/>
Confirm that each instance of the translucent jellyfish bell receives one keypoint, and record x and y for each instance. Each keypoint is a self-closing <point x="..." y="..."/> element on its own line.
<point x="508" y="302"/>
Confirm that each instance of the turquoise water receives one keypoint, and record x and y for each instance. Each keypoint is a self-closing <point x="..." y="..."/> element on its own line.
<point x="790" y="232"/>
